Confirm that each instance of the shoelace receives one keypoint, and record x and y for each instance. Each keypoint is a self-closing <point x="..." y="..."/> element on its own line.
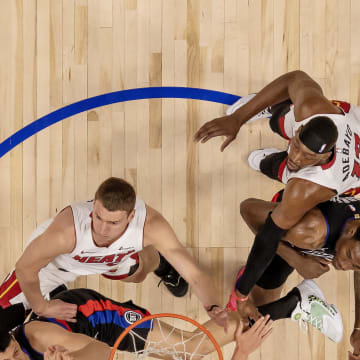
<point x="166" y="280"/>
<point x="263" y="112"/>
<point x="313" y="320"/>
<point x="303" y="326"/>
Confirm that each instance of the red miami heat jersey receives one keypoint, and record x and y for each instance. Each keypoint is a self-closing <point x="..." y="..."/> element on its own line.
<point x="87" y="258"/>
<point x="342" y="172"/>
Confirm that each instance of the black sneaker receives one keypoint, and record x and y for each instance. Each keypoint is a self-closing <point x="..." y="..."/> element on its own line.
<point x="171" y="278"/>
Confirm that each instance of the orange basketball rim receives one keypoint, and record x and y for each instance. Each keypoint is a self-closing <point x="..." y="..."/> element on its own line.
<point x="166" y="315"/>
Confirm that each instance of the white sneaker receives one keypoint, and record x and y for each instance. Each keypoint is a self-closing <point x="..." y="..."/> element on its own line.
<point x="242" y="101"/>
<point x="314" y="309"/>
<point x="257" y="156"/>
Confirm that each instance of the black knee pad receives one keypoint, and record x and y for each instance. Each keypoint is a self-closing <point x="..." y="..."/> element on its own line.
<point x="270" y="165"/>
<point x="275" y="274"/>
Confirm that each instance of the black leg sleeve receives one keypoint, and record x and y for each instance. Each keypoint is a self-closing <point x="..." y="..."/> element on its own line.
<point x="261" y="255"/>
<point x="282" y="308"/>
<point x="275" y="274"/>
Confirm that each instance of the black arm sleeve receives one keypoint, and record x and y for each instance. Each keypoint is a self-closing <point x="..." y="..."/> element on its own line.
<point x="261" y="254"/>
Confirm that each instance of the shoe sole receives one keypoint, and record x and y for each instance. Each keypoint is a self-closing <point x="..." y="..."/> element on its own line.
<point x="255" y="153"/>
<point x="180" y="294"/>
<point x="314" y="288"/>
<point x="239" y="103"/>
<point x="265" y="114"/>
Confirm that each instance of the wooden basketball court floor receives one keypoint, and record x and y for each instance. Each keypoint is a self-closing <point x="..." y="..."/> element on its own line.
<point x="57" y="52"/>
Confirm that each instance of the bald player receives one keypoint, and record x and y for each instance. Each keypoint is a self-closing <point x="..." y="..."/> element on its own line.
<point x="322" y="159"/>
<point x="327" y="234"/>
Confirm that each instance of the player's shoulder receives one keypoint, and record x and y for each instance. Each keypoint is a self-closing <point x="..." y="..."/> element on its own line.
<point x="62" y="229"/>
<point x="296" y="186"/>
<point x="82" y="208"/>
<point x="315" y="105"/>
<point x="35" y="330"/>
<point x="35" y="326"/>
<point x="156" y="226"/>
<point x="44" y="334"/>
<point x="299" y="189"/>
<point x="153" y="219"/>
<point x="64" y="219"/>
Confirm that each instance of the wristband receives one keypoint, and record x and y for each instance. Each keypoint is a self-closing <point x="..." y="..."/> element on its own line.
<point x="239" y="299"/>
<point x="231" y="305"/>
<point x="210" y="307"/>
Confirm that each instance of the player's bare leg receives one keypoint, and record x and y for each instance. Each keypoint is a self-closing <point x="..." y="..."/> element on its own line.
<point x="260" y="296"/>
<point x="149" y="261"/>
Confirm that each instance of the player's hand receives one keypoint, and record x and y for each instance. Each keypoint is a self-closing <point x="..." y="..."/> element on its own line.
<point x="228" y="126"/>
<point x="355" y="343"/>
<point x="57" y="352"/>
<point x="247" y="310"/>
<point x="59" y="309"/>
<point x="311" y="267"/>
<point x="248" y="341"/>
<point x="220" y="316"/>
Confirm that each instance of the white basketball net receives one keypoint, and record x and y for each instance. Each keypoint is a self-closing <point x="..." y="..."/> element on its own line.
<point x="166" y="348"/>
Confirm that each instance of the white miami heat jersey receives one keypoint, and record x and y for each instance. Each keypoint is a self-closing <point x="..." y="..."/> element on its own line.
<point x="342" y="173"/>
<point x="87" y="258"/>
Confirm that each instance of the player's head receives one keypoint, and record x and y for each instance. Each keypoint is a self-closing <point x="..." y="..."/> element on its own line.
<point x="113" y="207"/>
<point x="9" y="348"/>
<point x="312" y="144"/>
<point x="348" y="248"/>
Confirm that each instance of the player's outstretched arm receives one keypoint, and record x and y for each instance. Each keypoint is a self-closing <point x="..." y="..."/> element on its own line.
<point x="95" y="350"/>
<point x="299" y="197"/>
<point x="59" y="344"/>
<point x="248" y="341"/>
<point x="309" y="267"/>
<point x="305" y="93"/>
<point x="59" y="238"/>
<point x="160" y="234"/>
<point x="255" y="211"/>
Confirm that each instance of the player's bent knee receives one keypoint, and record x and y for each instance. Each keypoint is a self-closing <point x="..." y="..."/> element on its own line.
<point x="261" y="296"/>
<point x="245" y="208"/>
<point x="138" y="277"/>
<point x="149" y="258"/>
